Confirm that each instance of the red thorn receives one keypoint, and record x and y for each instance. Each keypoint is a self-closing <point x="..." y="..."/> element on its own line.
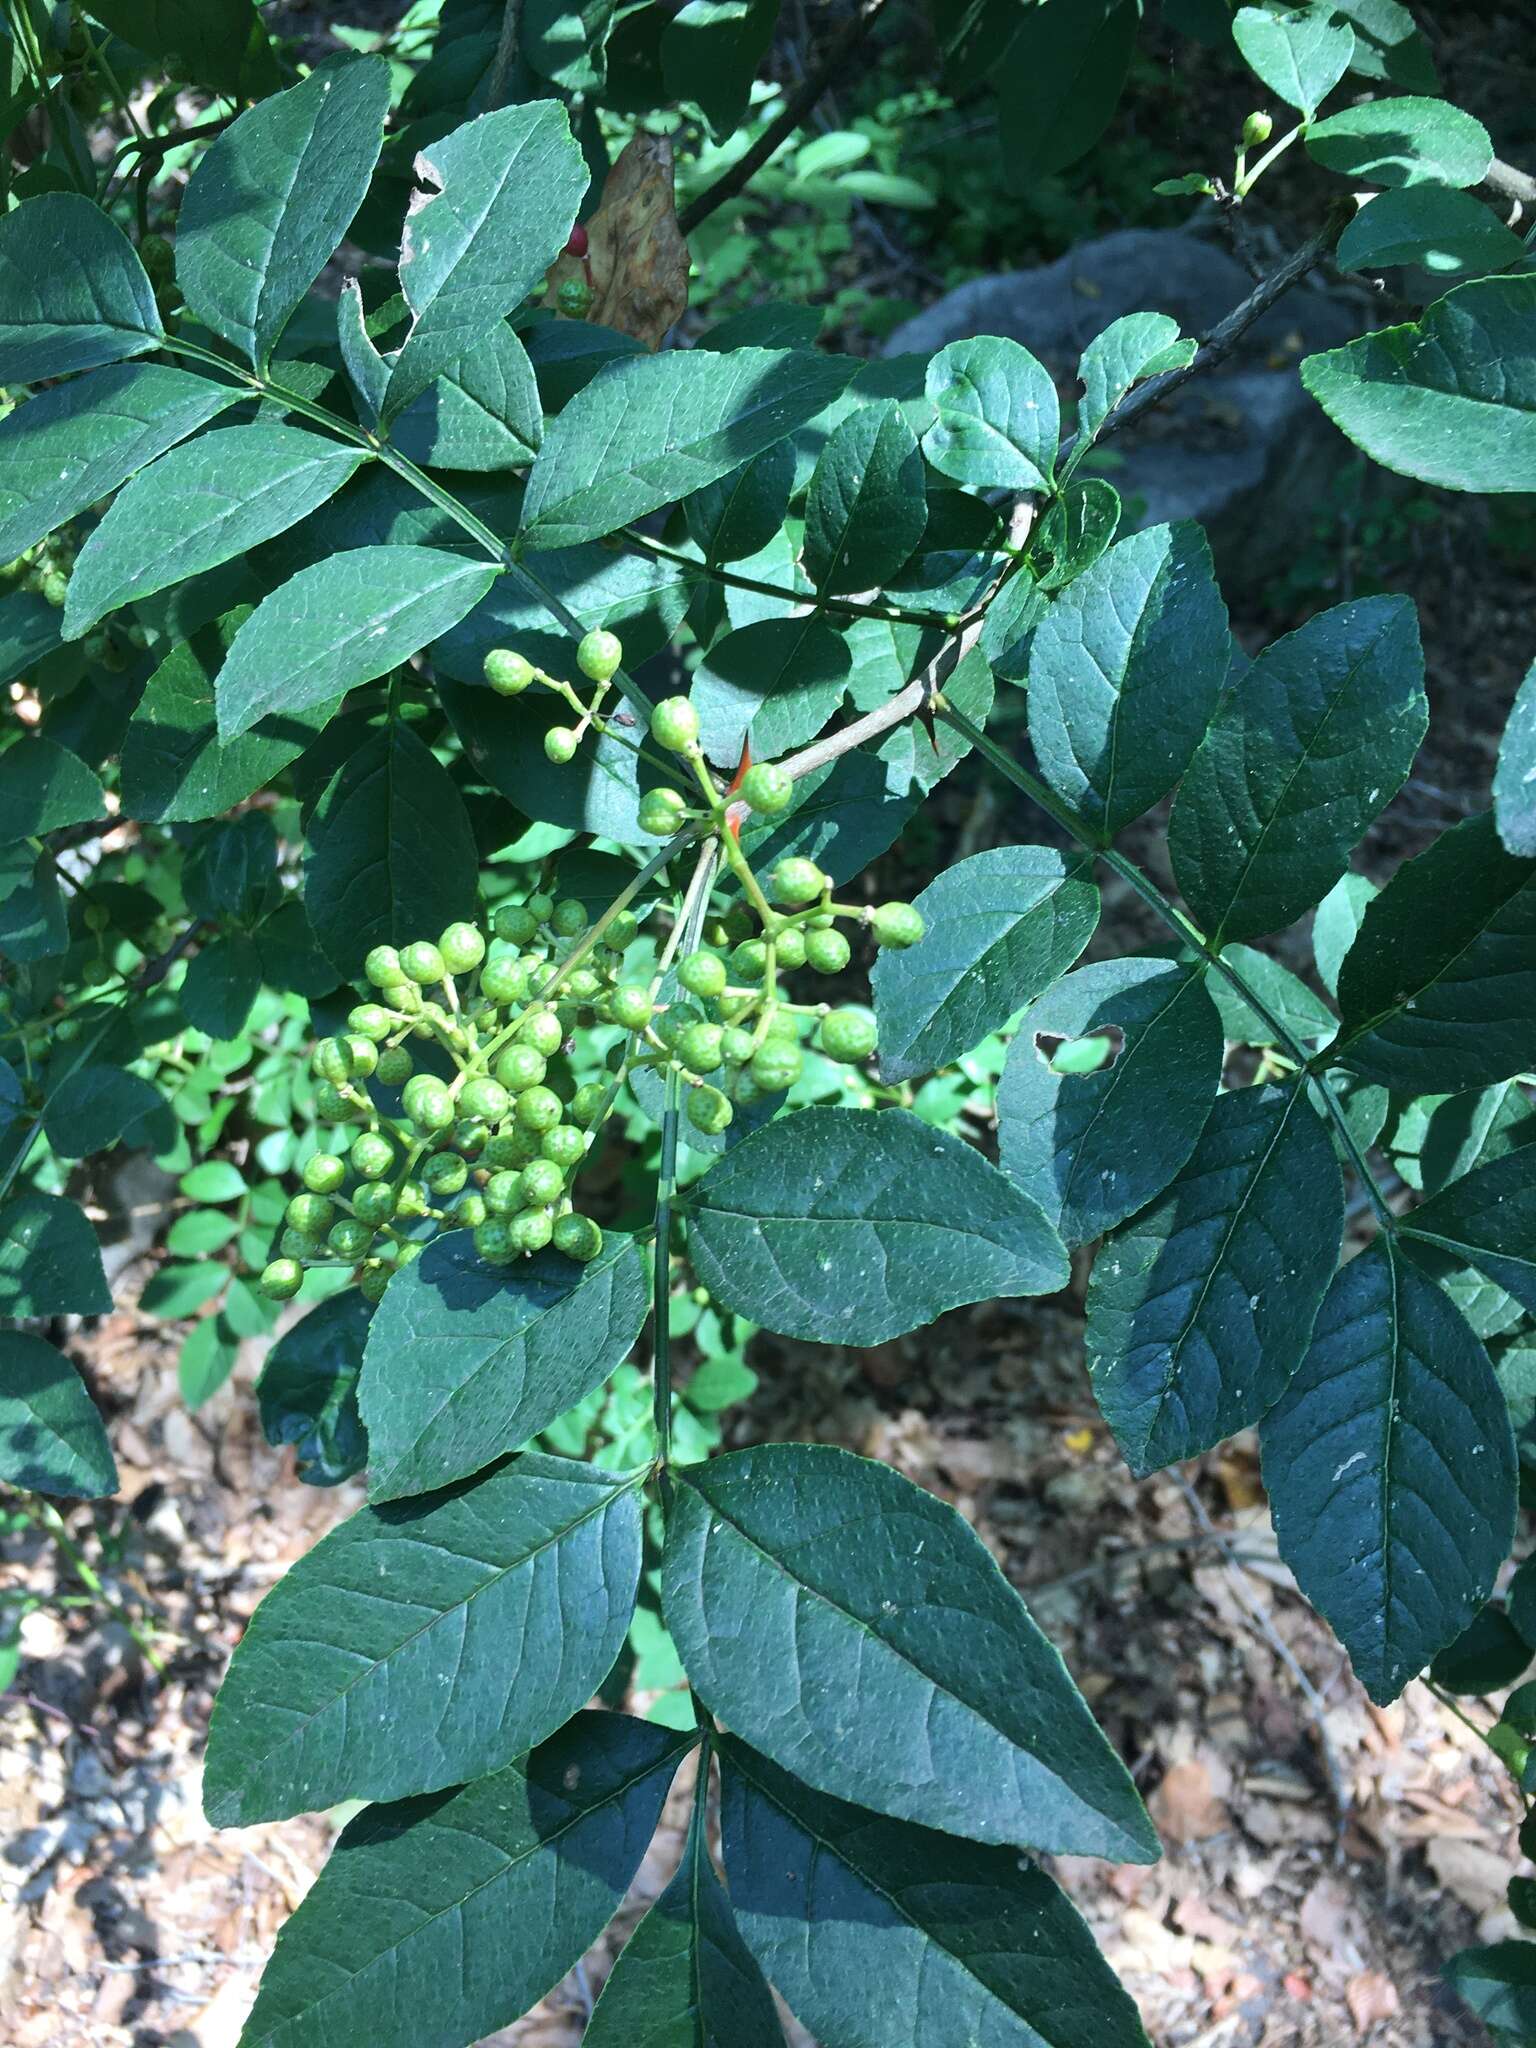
<point x="742" y="766"/>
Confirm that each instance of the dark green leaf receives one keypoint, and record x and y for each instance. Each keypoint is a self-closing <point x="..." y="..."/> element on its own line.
<point x="95" y="1105"/>
<point x="199" y="505"/>
<point x="1448" y="233"/>
<point x="391" y="856"/>
<point x="1402" y="141"/>
<point x="1125" y="671"/>
<point x="483" y="1898"/>
<point x="652" y="428"/>
<point x="776" y="680"/>
<point x="1488" y="1217"/>
<point x="29" y="629"/>
<point x="1451" y="398"/>
<point x="1077" y="528"/>
<point x="888" y="1660"/>
<point x="1438" y="1138"/>
<point x="1439" y="988"/>
<point x="1310" y="747"/>
<point x="849" y="1227"/>
<point x="741" y="511"/>
<point x="844" y="815"/>
<point x="51" y="1437"/>
<point x="367" y="371"/>
<point x="44" y="786"/>
<point x="1387" y="44"/>
<point x="1002" y="927"/>
<point x="98" y="307"/>
<point x="68" y="447"/>
<point x="866" y="510"/>
<point x="597" y="792"/>
<point x="426" y="1643"/>
<point x="685" y="1978"/>
<point x="1201" y="1307"/>
<point x="268" y="203"/>
<point x="1391" y="1470"/>
<point x="877" y="1931"/>
<point x="50" y="1262"/>
<point x="997" y="415"/>
<point x="1488" y="1655"/>
<point x="640" y="598"/>
<point x="34" y="924"/>
<point x="496" y="202"/>
<point x="482" y="413"/>
<point x="566" y="40"/>
<point x="1498" y="1983"/>
<point x="1301" y="56"/>
<point x="341" y="623"/>
<point x="1514" y="786"/>
<point x="174" y="1291"/>
<point x="307" y="1393"/>
<point x="1093" y="1148"/>
<point x="216" y="43"/>
<point x="466" y="1361"/>
<point x="230" y="871"/>
<point x="710" y="53"/>
<point x="1059" y="81"/>
<point x="223" y="981"/>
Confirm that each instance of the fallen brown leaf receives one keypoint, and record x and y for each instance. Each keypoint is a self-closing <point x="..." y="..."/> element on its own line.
<point x="636" y="261"/>
<point x="1370" y="1997"/>
<point x="1185" y="1806"/>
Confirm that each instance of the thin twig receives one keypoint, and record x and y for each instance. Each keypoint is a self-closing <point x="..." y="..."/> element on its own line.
<point x="1510" y="184"/>
<point x="506" y="52"/>
<point x="790" y="117"/>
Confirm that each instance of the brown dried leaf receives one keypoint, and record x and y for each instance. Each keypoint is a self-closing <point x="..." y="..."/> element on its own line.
<point x="1185" y="1806"/>
<point x="1370" y="1997"/>
<point x="636" y="260"/>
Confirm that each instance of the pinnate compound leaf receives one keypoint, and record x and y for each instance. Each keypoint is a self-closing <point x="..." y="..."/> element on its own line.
<point x="1450" y="398"/>
<point x="852" y="1226"/>
<point x="98" y="307"/>
<point x="1402" y="141"/>
<point x="496" y="204"/>
<point x="650" y="429"/>
<point x="1514" y="785"/>
<point x="439" y="1920"/>
<point x="998" y="417"/>
<point x="1137" y="345"/>
<point x="1300" y="56"/>
<point x="1488" y="1217"/>
<point x="1093" y="1148"/>
<point x="340" y="623"/>
<point x="1200" y="1308"/>
<point x="199" y="505"/>
<point x="876" y="1930"/>
<point x="1438" y="990"/>
<point x="267" y="205"/>
<point x="466" y="1361"/>
<point x="685" y="1978"/>
<point x="429" y="1642"/>
<point x="1002" y="927"/>
<point x="1126" y="669"/>
<point x="44" y="786"/>
<point x="70" y="446"/>
<point x="888" y="1660"/>
<point x="307" y="1393"/>
<point x="1390" y="1468"/>
<point x="50" y="1262"/>
<point x="866" y="508"/>
<point x="1313" y="743"/>
<point x="1446" y="232"/>
<point x="391" y="855"/>
<point x="51" y="1436"/>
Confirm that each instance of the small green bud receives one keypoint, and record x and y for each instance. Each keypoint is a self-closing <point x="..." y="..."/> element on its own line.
<point x="1256" y="129"/>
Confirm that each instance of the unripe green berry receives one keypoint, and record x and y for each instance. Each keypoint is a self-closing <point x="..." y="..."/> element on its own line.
<point x="699" y="1048"/>
<point x="411" y="1199"/>
<point x="372" y="1281"/>
<point x="444" y="1173"/>
<point x="395" y="1066"/>
<point x="538" y="1109"/>
<point x="848" y="1035"/>
<point x="789" y="948"/>
<point x="560" y="744"/>
<point x="362" y="1054"/>
<point x="578" y="1237"/>
<point x="702" y="973"/>
<point x="53" y="587"/>
<point x="599" y="654"/>
<point x="370" y="1020"/>
<point x="621" y="930"/>
<point x="530" y="1230"/>
<point x="470" y="1135"/>
<point x="1257" y="128"/>
<point x="897" y="925"/>
<point x="767" y="788"/>
<point x="776" y="1065"/>
<point x="422" y="963"/>
<point x="349" y="1237"/>
<point x="582" y="983"/>
<point x="506" y="1148"/>
<point x="541" y="904"/>
<point x="675" y="724"/>
<point x="374" y="1202"/>
<point x="709" y="1110"/>
<point x="515" y="923"/>
<point x="484" y="1097"/>
<point x="519" y="1067"/>
<point x="541" y="1182"/>
<point x="504" y="1193"/>
<point x="311" y="1215"/>
<point x="564" y="1147"/>
<point x="428" y="1103"/>
<point x="827" y="951"/>
<point x="493" y="1242"/>
<point x="372" y="1156"/>
<point x="574" y="297"/>
<point x="730" y="1009"/>
<point x="294" y="1244"/>
<point x="471" y="1211"/>
<point x="504" y="980"/>
<point x="749" y="961"/>
<point x="631" y="1007"/>
<point x="587" y="1104"/>
<point x="324" y="1174"/>
<point x="662" y="812"/>
<point x="332" y="1106"/>
<point x="568" y="918"/>
<point x="796" y="880"/>
<point x="462" y="947"/>
<point x="331" y="1060"/>
<point x="541" y="1029"/>
<point x="507" y="672"/>
<point x="736" y="1045"/>
<point x="281" y="1280"/>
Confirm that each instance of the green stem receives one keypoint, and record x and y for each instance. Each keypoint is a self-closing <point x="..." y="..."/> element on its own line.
<point x="47" y="1518"/>
<point x="844" y="607"/>
<point x="1184" y="927"/>
<point x="1243" y="185"/>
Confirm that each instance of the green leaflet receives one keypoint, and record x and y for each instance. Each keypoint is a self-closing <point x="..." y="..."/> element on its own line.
<point x="340" y="623"/>
<point x="1489" y="1217"/>
<point x="1450" y="398"/>
<point x="1125" y="672"/>
<point x="685" y="1978"/>
<point x="497" y="199"/>
<point x="639" y="597"/>
<point x="865" y="510"/>
<point x="419" y="1897"/>
<point x="1313" y="743"/>
<point x="1514" y="786"/>
<point x="1335" y="923"/>
<point x="222" y="982"/>
<point x="888" y="1660"/>
<point x="879" y="1931"/>
<point x="70" y="446"/>
<point x="273" y="196"/>
<point x="1301" y="56"/>
<point x="94" y="1106"/>
<point x="998" y="418"/>
<point x="1402" y="141"/>
<point x="307" y="1393"/>
<point x="597" y="792"/>
<point x="51" y="1437"/>
<point x="1059" y="79"/>
<point x="216" y="43"/>
<point x="650" y="429"/>
<point x="1003" y="926"/>
<point x="776" y="681"/>
<point x="1136" y="346"/>
<point x="1498" y="1983"/>
<point x="97" y="308"/>
<point x="1438" y="1138"/>
<point x="1200" y="1308"/>
<point x="1446" y="232"/>
<point x="1285" y="997"/>
<point x="50" y="1262"/>
<point x="429" y="1642"/>
<point x="199" y="505"/>
<point x="710" y="53"/>
<point x="741" y="511"/>
<point x="1093" y="1148"/>
<point x="1390" y="1469"/>
<point x="466" y="1361"/>
<point x="482" y="413"/>
<point x="44" y="786"/>
<point x="849" y="1227"/>
<point x="391" y="856"/>
<point x="29" y="629"/>
<point x="1438" y="990"/>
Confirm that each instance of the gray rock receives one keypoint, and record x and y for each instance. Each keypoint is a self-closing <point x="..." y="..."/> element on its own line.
<point x="1242" y="446"/>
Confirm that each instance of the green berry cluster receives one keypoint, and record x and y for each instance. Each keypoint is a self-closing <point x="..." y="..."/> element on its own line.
<point x="43" y="567"/>
<point x="599" y="655"/>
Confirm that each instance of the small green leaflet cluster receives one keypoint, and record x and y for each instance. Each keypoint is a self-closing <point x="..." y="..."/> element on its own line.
<point x="324" y="543"/>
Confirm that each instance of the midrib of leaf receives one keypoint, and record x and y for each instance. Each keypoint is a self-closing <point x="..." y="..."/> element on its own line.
<point x="1384" y="1497"/>
<point x="1473" y="1254"/>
